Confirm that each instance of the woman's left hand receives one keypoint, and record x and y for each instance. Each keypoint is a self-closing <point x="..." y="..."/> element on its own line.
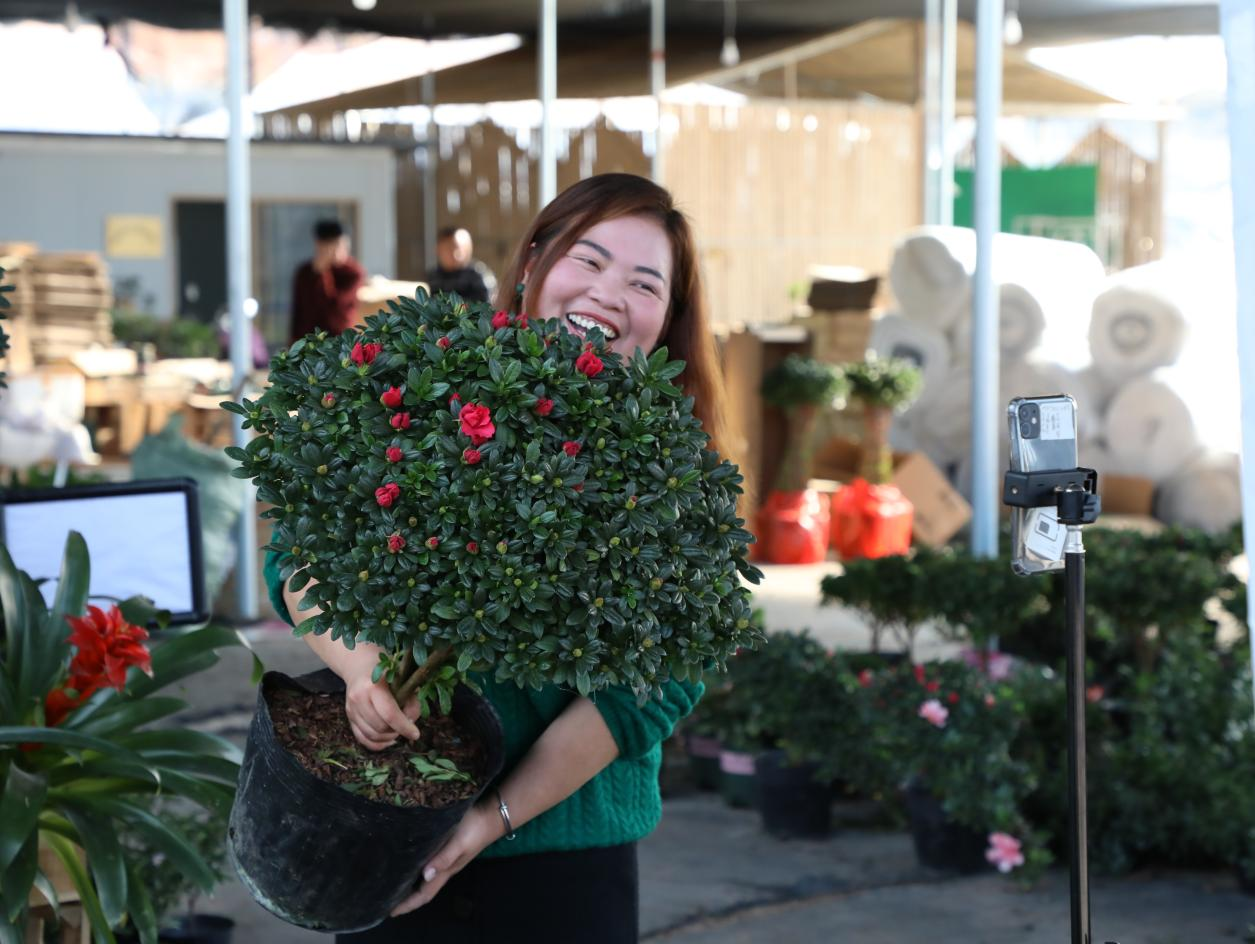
<point x="480" y="827"/>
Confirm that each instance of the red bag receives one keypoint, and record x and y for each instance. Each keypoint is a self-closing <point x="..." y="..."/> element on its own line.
<point x="871" y="520"/>
<point x="793" y="528"/>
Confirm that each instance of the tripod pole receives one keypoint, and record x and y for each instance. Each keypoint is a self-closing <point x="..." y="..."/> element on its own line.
<point x="1074" y="588"/>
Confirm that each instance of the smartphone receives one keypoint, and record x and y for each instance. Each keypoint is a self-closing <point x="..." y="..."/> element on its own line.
<point x="1043" y="439"/>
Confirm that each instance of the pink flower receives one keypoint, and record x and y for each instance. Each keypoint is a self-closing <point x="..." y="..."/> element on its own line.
<point x="1004" y="851"/>
<point x="396" y="542"/>
<point x="471" y="456"/>
<point x="589" y="363"/>
<point x="1094" y="694"/>
<point x="990" y="701"/>
<point x="400" y="421"/>
<point x="572" y="449"/>
<point x="394" y="454"/>
<point x="500" y="320"/>
<point x="997" y="665"/>
<point x="328" y="400"/>
<point x="391" y="398"/>
<point x="934" y="712"/>
<point x="865" y="678"/>
<point x="364" y="353"/>
<point x="472" y="547"/>
<point x="385" y="495"/>
<point x="433" y="542"/>
<point x="544" y="406"/>
<point x="477" y="423"/>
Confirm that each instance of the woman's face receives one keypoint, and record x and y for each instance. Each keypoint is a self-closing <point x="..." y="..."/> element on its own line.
<point x="617" y="276"/>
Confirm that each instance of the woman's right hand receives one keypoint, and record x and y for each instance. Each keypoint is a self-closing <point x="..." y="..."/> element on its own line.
<point x="374" y="715"/>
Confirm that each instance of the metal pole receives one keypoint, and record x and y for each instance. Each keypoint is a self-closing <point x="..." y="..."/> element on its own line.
<point x="239" y="278"/>
<point x="986" y="215"/>
<point x="1078" y="873"/>
<point x="432" y="152"/>
<point x="657" y="77"/>
<point x="932" y="110"/>
<point x="945" y="134"/>
<point x="548" y="66"/>
<point x="1237" y="24"/>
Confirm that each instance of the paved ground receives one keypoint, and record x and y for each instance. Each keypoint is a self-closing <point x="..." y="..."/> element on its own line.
<point x="709" y="874"/>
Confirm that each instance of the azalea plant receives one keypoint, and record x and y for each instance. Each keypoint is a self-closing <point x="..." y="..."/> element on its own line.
<point x="473" y="492"/>
<point x="79" y="761"/>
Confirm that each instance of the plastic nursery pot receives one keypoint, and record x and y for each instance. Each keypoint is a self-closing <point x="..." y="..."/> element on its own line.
<point x="794" y="528"/>
<point x="870" y="521"/>
<point x="791" y="802"/>
<point x="321" y="857"/>
<point x="199" y="929"/>
<point x="703" y="755"/>
<point x="939" y="842"/>
<point x="737" y="783"/>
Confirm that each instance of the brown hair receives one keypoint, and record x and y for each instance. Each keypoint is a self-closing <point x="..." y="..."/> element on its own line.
<point x="686" y="332"/>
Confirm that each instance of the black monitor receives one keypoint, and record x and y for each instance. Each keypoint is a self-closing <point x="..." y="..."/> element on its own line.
<point x="143" y="539"/>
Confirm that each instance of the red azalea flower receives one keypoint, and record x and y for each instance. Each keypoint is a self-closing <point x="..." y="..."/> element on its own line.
<point x="544" y="406"/>
<point x="455" y="397"/>
<point x="589" y="364"/>
<point x="571" y="448"/>
<point x="477" y="423"/>
<point x="471" y="456"/>
<point x="443" y="343"/>
<point x="520" y="321"/>
<point x="500" y="320"/>
<point x="919" y="674"/>
<point x="394" y="454"/>
<point x="387" y="494"/>
<point x="932" y="686"/>
<point x="865" y="678"/>
<point x="433" y="542"/>
<point x="578" y="486"/>
<point x="396" y="542"/>
<point x="391" y="398"/>
<point x="400" y="421"/>
<point x="328" y="400"/>
<point x="472" y="547"/>
<point x="364" y="353"/>
<point x="953" y="698"/>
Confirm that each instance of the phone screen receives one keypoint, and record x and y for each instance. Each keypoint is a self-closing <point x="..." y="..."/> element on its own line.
<point x="1043" y="439"/>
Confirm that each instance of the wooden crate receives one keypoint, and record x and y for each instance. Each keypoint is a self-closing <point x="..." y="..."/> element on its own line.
<point x="838" y="337"/>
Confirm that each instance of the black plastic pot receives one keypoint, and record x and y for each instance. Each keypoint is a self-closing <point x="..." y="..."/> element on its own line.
<point x="792" y="803"/>
<point x="199" y="929"/>
<point x="703" y="754"/>
<point x="1246" y="881"/>
<point x="738" y="784"/>
<point x="325" y="859"/>
<point x="939" y="842"/>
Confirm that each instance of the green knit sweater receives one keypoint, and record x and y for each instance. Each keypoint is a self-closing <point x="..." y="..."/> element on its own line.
<point x="621" y="804"/>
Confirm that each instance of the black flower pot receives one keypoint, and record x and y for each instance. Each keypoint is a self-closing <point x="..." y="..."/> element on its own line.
<point x="199" y="929"/>
<point x="792" y="803"/>
<point x="738" y="784"/>
<point x="941" y="843"/>
<point x="321" y="857"/>
<point x="1246" y="880"/>
<point x="703" y="754"/>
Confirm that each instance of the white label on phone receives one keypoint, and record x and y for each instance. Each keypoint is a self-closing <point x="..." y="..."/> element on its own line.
<point x="1056" y="421"/>
<point x="1044" y="535"/>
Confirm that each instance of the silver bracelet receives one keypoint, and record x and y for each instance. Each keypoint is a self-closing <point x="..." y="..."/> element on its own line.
<point x="505" y="816"/>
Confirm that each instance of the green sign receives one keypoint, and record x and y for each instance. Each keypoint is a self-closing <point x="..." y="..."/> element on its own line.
<point x="1056" y="202"/>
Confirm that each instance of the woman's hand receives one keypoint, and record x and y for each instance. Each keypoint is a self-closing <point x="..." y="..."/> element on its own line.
<point x="374" y="715"/>
<point x="480" y="827"/>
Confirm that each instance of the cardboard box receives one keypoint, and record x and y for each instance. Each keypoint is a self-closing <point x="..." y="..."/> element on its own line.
<point x="1126" y="494"/>
<point x="940" y="511"/>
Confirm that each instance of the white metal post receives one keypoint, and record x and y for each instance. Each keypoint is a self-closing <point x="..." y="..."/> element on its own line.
<point x="932" y="109"/>
<point x="1237" y="24"/>
<point x="239" y="278"/>
<point x="657" y="77"/>
<point x="945" y="134"/>
<point x="986" y="214"/>
<point x="548" y="67"/>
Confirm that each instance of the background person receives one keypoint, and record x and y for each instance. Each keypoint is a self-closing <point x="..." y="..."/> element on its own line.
<point x="324" y="289"/>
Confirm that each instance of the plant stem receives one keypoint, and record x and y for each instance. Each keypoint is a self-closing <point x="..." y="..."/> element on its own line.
<point x="407" y="686"/>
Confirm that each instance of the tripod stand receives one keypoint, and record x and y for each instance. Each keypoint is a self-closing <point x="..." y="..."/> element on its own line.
<point x="1074" y="494"/>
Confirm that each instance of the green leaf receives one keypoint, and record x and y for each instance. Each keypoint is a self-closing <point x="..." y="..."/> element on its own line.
<point x="139" y="908"/>
<point x="17" y="879"/>
<point x="104" y="857"/>
<point x="20" y="805"/>
<point x="63" y="738"/>
<point x="167" y="839"/>
<point x="86" y="892"/>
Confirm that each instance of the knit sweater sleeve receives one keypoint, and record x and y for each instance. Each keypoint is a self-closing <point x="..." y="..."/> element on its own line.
<point x="274" y="584"/>
<point x="637" y="729"/>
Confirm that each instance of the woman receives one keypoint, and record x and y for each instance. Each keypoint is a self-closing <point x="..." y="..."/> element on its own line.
<point x="550" y="854"/>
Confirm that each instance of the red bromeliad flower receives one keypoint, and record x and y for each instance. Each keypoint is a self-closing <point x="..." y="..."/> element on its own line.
<point x="544" y="406"/>
<point x="589" y="364"/>
<point x="477" y="423"/>
<point x="400" y="421"/>
<point x="396" y="542"/>
<point x="106" y="646"/>
<point x="394" y="454"/>
<point x="364" y="353"/>
<point x="571" y="448"/>
<point x="387" y="494"/>
<point x="471" y="456"/>
<point x="391" y="398"/>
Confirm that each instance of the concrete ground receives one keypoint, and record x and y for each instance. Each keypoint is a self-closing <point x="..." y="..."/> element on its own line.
<point x="710" y="874"/>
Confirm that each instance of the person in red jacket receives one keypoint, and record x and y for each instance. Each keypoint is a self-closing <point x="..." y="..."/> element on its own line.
<point x="324" y="289"/>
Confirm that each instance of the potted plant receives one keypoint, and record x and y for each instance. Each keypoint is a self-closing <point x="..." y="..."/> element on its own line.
<point x="793" y="526"/>
<point x="80" y="689"/>
<point x="882" y="386"/>
<point x="479" y="497"/>
<point x="895" y="594"/>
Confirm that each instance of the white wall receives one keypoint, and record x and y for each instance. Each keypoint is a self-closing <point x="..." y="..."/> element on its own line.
<point x="57" y="190"/>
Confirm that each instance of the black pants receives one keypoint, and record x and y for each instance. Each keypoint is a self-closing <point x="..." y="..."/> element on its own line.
<point x="584" y="897"/>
